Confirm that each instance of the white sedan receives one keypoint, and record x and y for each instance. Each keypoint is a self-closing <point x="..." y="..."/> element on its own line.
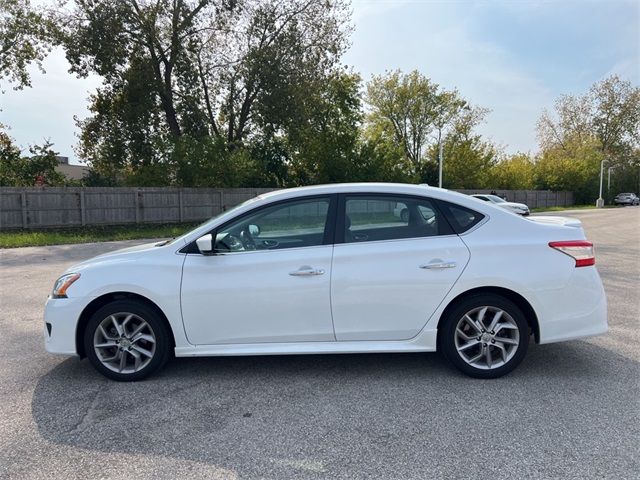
<point x="519" y="208"/>
<point x="332" y="269"/>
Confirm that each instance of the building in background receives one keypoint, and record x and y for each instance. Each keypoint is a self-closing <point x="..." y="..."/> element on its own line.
<point x="72" y="172"/>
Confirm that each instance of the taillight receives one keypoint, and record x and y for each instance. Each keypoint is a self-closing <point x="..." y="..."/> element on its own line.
<point x="580" y="250"/>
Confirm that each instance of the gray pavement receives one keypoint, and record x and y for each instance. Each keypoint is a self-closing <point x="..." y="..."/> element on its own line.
<point x="571" y="410"/>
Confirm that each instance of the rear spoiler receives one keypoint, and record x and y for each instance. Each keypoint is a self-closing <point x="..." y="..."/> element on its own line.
<point x="565" y="221"/>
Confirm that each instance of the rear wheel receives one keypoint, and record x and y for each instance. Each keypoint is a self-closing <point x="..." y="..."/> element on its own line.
<point x="404" y="215"/>
<point x="485" y="336"/>
<point x="126" y="341"/>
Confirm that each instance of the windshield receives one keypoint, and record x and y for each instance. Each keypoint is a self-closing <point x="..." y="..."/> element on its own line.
<point x="496" y="199"/>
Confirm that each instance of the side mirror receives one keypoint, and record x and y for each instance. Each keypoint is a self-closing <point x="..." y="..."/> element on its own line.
<point x="254" y="230"/>
<point x="205" y="244"/>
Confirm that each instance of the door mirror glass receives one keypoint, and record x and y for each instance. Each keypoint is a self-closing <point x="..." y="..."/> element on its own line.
<point x="254" y="230"/>
<point x="205" y="244"/>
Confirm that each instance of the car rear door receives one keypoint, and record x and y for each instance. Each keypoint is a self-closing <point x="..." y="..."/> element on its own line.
<point x="390" y="275"/>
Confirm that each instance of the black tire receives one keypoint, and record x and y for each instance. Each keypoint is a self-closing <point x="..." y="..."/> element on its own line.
<point x="448" y="333"/>
<point x="157" y="327"/>
<point x="404" y="215"/>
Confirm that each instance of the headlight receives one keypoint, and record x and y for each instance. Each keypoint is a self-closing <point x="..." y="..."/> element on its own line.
<point x="62" y="284"/>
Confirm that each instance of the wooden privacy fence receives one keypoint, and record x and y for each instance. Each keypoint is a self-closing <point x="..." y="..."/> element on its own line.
<point x="74" y="206"/>
<point x="49" y="207"/>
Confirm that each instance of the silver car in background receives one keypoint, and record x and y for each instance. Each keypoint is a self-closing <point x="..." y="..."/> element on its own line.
<point x="519" y="208"/>
<point x="626" y="199"/>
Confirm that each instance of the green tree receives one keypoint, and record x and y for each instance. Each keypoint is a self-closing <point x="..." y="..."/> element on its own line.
<point x="468" y="159"/>
<point x="26" y="36"/>
<point x="516" y="172"/>
<point x="210" y="71"/>
<point x="17" y="170"/>
<point x="125" y="137"/>
<point x="412" y="112"/>
<point x="603" y="123"/>
<point x="609" y="113"/>
<point x="574" y="167"/>
<point x="403" y="110"/>
<point x="324" y="139"/>
<point x="452" y="112"/>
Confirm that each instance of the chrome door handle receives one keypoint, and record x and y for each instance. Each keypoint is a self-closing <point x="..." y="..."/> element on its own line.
<point x="307" y="272"/>
<point x="438" y="265"/>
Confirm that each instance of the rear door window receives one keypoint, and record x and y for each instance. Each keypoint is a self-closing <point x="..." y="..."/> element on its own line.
<point x="389" y="217"/>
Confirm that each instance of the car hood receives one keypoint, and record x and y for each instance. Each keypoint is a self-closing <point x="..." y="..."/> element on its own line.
<point x="122" y="255"/>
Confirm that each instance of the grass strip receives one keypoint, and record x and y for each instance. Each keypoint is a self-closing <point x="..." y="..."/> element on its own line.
<point x="31" y="238"/>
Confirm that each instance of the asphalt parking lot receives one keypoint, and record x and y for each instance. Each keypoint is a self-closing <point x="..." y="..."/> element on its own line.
<point x="571" y="410"/>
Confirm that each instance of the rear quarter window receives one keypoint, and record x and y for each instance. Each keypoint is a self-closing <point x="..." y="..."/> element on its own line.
<point x="460" y="218"/>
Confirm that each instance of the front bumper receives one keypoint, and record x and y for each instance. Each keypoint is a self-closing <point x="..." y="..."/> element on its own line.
<point x="61" y="317"/>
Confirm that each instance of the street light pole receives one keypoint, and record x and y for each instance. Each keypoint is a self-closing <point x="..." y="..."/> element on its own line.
<point x="600" y="201"/>
<point x="440" y="164"/>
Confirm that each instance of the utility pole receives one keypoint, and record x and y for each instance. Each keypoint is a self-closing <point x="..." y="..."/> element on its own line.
<point x="440" y="159"/>
<point x="600" y="201"/>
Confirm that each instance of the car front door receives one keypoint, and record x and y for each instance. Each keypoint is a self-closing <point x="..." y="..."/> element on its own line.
<point x="390" y="274"/>
<point x="269" y="279"/>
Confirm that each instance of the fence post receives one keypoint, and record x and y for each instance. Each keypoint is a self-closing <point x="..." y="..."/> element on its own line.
<point x="222" y="208"/>
<point x="83" y="211"/>
<point x="180" y="207"/>
<point x="23" y="200"/>
<point x="136" y="194"/>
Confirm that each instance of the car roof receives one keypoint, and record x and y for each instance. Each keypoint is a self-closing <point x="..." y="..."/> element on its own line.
<point x="373" y="188"/>
<point x="354" y="187"/>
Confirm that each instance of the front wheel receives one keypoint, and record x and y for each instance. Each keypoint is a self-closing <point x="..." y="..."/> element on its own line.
<point x="126" y="340"/>
<point x="485" y="336"/>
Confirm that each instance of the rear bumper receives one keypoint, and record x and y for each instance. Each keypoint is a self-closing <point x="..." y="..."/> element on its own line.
<point x="61" y="319"/>
<point x="578" y="310"/>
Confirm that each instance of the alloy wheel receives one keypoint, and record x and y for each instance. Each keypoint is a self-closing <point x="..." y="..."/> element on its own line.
<point x="487" y="337"/>
<point x="124" y="342"/>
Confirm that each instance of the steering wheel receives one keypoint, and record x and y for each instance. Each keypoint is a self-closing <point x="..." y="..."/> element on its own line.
<point x="232" y="243"/>
<point x="247" y="239"/>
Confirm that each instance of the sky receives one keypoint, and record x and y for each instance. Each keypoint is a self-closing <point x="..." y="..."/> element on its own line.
<point x="513" y="57"/>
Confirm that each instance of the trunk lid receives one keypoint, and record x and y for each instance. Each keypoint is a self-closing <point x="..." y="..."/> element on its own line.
<point x="553" y="220"/>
